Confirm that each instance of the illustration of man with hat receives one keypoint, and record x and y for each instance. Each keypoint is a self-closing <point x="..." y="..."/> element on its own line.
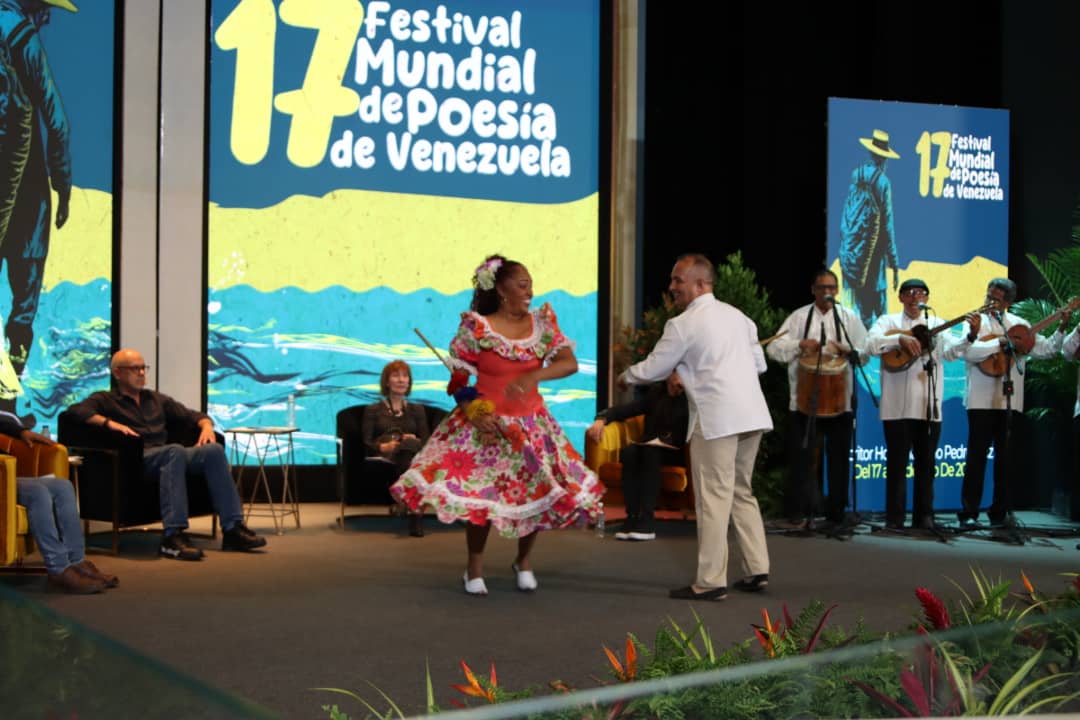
<point x="35" y="159"/>
<point x="867" y="232"/>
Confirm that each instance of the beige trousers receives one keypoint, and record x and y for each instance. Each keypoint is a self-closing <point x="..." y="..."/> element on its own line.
<point x="722" y="469"/>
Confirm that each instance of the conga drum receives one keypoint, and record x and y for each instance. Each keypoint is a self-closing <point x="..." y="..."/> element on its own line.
<point x="830" y="377"/>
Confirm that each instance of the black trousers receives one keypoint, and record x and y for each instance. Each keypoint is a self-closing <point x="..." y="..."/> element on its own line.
<point x="641" y="476"/>
<point x="986" y="428"/>
<point x="803" y="496"/>
<point x="920" y="438"/>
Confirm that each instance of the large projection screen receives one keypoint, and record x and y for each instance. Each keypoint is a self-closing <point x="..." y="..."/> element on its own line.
<point x="364" y="158"/>
<point x="56" y="207"/>
<point x="950" y="228"/>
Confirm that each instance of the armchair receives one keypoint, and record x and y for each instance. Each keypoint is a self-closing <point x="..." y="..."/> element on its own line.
<point x="676" y="490"/>
<point x="111" y="484"/>
<point x="362" y="479"/>
<point x="21" y="460"/>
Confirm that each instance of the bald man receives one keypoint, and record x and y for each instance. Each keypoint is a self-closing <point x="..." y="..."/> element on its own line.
<point x="131" y="409"/>
<point x="715" y="349"/>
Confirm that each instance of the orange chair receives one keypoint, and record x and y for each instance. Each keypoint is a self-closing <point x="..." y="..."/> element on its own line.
<point x="22" y="461"/>
<point x="676" y="490"/>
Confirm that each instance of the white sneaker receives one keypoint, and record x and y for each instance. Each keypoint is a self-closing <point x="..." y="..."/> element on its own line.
<point x="475" y="586"/>
<point x="526" y="581"/>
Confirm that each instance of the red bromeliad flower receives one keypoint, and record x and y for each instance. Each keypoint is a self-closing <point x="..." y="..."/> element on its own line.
<point x="935" y="611"/>
<point x="474" y="688"/>
<point x="629" y="672"/>
<point x="768" y="634"/>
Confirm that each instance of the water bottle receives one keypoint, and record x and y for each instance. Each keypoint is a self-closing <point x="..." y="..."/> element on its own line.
<point x="46" y="433"/>
<point x="600" y="520"/>
<point x="290" y="418"/>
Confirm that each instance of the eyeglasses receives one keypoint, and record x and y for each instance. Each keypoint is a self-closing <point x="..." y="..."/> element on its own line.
<point x="918" y="292"/>
<point x="825" y="287"/>
<point x="133" y="368"/>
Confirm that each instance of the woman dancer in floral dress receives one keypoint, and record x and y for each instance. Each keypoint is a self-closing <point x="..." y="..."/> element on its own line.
<point x="500" y="459"/>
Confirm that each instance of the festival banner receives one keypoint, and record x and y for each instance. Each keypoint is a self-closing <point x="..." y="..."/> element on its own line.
<point x="365" y="157"/>
<point x="56" y="205"/>
<point x="945" y="221"/>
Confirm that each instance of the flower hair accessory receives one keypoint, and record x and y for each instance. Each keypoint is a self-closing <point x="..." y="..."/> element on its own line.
<point x="485" y="274"/>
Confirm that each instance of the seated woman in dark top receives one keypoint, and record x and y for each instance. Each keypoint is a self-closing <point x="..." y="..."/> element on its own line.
<point x="666" y="416"/>
<point x="393" y="429"/>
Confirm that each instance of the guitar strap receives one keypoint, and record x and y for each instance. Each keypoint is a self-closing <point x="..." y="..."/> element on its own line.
<point x="810" y="317"/>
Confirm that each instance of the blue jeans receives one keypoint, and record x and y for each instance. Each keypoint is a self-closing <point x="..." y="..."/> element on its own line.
<point x="171" y="465"/>
<point x="54" y="520"/>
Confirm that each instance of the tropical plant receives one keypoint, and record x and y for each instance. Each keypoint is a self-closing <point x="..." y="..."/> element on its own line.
<point x="999" y="652"/>
<point x="1053" y="380"/>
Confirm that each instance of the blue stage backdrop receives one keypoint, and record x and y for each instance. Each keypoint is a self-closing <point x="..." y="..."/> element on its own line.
<point x="950" y="227"/>
<point x="65" y="327"/>
<point x="365" y="157"/>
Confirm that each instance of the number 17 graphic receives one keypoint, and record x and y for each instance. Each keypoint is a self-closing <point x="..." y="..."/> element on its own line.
<point x="250" y="29"/>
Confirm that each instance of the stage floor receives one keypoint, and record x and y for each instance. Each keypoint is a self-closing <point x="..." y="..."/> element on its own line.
<point x="324" y="607"/>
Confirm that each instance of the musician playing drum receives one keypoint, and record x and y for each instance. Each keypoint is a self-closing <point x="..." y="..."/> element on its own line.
<point x="988" y="403"/>
<point x="814" y="343"/>
<point x="913" y="345"/>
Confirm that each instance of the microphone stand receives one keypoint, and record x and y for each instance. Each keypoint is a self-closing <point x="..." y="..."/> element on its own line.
<point x="810" y="432"/>
<point x="854" y="410"/>
<point x="1007" y="390"/>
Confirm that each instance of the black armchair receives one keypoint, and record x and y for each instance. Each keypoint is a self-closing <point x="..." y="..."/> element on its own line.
<point x="111" y="484"/>
<point x="362" y="479"/>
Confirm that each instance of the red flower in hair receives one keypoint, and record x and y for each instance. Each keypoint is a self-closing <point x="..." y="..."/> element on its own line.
<point x="936" y="614"/>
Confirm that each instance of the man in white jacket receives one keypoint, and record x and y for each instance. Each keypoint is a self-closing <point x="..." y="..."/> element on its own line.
<point x="715" y="349"/>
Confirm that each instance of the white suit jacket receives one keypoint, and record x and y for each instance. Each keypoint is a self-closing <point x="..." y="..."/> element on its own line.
<point x="715" y="349"/>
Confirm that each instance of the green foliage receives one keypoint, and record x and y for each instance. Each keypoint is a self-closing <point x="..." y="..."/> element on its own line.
<point x="1054" y="379"/>
<point x="1015" y="657"/>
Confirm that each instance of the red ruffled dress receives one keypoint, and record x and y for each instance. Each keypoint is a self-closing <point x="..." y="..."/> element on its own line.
<point x="532" y="478"/>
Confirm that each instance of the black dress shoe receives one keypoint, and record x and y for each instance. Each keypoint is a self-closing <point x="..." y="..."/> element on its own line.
<point x="241" y="539"/>
<point x="754" y="583"/>
<point x="689" y="593"/>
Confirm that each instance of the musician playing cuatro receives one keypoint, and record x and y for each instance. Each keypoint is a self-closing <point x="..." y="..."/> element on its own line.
<point x="816" y="343"/>
<point x="912" y="346"/>
<point x="1004" y="341"/>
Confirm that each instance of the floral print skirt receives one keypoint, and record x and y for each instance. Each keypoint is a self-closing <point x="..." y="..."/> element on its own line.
<point x="531" y="479"/>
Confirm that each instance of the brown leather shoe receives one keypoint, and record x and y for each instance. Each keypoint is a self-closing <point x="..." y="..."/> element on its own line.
<point x="74" y="582"/>
<point x="86" y="568"/>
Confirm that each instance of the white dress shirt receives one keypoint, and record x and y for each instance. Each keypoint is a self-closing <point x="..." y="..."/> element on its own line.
<point x="1069" y="349"/>
<point x="985" y="392"/>
<point x="904" y="394"/>
<point x="785" y="348"/>
<point x="715" y="349"/>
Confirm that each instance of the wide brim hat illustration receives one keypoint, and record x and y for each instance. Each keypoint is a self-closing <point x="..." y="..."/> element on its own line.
<point x="65" y="4"/>
<point x="879" y="145"/>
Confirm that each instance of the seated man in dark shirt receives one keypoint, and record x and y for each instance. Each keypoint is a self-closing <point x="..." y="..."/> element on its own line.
<point x="666" y="416"/>
<point x="131" y="409"/>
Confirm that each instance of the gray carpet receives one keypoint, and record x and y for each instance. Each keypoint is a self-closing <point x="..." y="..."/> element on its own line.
<point x="322" y="607"/>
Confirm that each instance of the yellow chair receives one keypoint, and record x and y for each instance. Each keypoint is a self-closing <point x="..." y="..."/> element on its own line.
<point x="23" y="461"/>
<point x="676" y="490"/>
